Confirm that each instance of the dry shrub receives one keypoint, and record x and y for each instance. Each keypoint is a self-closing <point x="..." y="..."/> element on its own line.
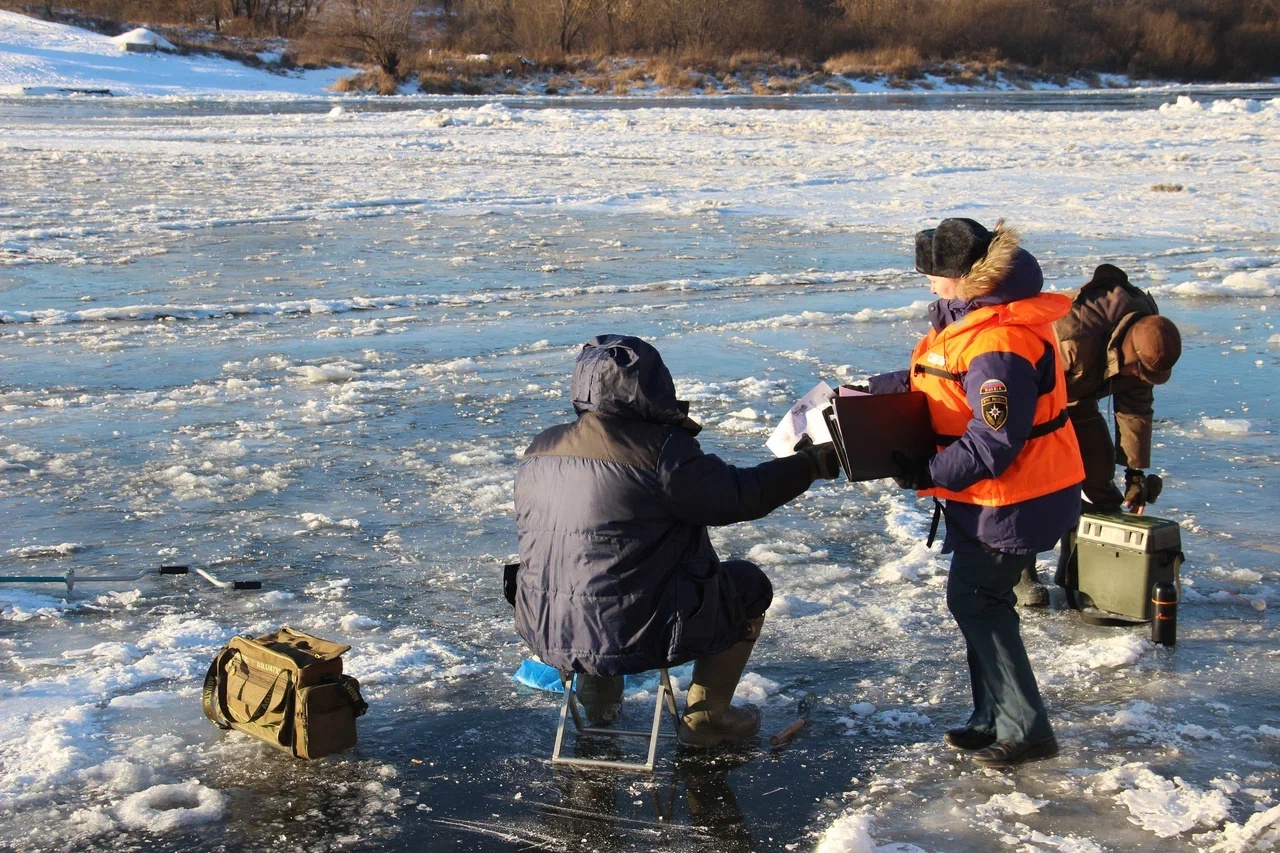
<point x="372" y="81"/>
<point x="444" y="83"/>
<point x="597" y="82"/>
<point x="313" y="52"/>
<point x="1252" y="51"/>
<point x="1174" y="47"/>
<point x="776" y="85"/>
<point x="755" y="62"/>
<point x="962" y="77"/>
<point x="435" y="83"/>
<point x="669" y="75"/>
<point x="900" y="61"/>
<point x="239" y="28"/>
<point x="745" y="62"/>
<point x="635" y="73"/>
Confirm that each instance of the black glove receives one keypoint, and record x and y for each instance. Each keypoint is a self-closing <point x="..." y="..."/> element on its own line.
<point x="864" y="388"/>
<point x="1155" y="485"/>
<point x="823" y="460"/>
<point x="915" y="472"/>
<point x="1135" y="489"/>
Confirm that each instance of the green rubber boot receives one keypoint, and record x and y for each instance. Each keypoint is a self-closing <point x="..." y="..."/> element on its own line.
<point x="600" y="697"/>
<point x="710" y="719"/>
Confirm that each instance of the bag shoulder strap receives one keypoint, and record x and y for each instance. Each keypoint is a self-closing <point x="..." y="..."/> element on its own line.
<point x="212" y="697"/>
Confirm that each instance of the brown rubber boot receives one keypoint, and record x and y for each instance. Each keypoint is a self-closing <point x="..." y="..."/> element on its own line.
<point x="710" y="719"/>
<point x="601" y="698"/>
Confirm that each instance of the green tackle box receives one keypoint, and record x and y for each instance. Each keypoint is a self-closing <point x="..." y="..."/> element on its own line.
<point x="1122" y="556"/>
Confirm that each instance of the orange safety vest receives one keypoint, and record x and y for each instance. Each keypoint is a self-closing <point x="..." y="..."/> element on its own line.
<point x="1050" y="458"/>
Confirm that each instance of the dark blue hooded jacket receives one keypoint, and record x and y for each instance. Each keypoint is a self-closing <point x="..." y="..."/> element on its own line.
<point x="618" y="574"/>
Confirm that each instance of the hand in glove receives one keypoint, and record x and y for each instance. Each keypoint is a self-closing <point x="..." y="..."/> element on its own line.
<point x="1135" y="490"/>
<point x="823" y="460"/>
<point x="915" y="472"/>
<point x="1155" y="485"/>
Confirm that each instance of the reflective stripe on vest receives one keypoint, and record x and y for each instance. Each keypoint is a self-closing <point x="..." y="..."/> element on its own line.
<point x="940" y="366"/>
<point x="1059" y="421"/>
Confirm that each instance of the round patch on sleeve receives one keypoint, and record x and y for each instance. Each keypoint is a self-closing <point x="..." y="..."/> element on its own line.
<point x="993" y="386"/>
<point x="995" y="410"/>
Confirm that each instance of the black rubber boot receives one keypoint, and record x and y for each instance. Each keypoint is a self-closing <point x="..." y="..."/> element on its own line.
<point x="600" y="697"/>
<point x="1030" y="592"/>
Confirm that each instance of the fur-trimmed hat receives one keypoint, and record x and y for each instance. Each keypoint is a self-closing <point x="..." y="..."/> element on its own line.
<point x="951" y="249"/>
<point x="1157" y="345"/>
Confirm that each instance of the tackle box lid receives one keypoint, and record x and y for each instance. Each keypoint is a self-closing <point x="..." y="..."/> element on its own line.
<point x="1143" y="533"/>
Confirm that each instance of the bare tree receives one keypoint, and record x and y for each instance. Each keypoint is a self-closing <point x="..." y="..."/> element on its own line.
<point x="487" y="24"/>
<point x="699" y="23"/>
<point x="288" y="16"/>
<point x="570" y="17"/>
<point x="380" y="30"/>
<point x="613" y="16"/>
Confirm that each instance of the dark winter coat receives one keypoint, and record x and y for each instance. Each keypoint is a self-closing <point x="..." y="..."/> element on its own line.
<point x="1090" y="339"/>
<point x="1007" y="273"/>
<point x="618" y="574"/>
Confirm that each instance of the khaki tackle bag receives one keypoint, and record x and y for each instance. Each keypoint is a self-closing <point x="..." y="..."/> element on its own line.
<point x="286" y="688"/>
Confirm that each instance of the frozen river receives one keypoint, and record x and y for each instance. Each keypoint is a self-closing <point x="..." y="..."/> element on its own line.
<point x="307" y="347"/>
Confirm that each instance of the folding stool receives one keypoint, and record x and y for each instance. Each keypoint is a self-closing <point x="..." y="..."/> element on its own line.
<point x="665" y="696"/>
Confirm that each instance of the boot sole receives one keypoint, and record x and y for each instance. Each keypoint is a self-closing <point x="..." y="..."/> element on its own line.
<point x="693" y="740"/>
<point x="1037" y="753"/>
<point x="967" y="744"/>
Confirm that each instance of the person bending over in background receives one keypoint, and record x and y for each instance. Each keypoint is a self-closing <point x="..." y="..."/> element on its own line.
<point x="1113" y="343"/>
<point x="1007" y="466"/>
<point x="618" y="575"/>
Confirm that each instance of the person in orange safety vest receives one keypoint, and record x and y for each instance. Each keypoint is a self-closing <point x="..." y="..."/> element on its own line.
<point x="1007" y="472"/>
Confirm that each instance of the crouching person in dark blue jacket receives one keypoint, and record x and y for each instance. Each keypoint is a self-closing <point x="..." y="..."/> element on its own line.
<point x="618" y="574"/>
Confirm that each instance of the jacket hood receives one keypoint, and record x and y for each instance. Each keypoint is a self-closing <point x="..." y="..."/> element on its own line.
<point x="624" y="377"/>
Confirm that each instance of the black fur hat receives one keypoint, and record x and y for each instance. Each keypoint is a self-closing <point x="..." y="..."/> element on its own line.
<point x="951" y="249"/>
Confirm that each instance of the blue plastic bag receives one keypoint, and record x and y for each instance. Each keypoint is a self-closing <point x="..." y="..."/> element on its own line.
<point x="540" y="676"/>
<point x="537" y="674"/>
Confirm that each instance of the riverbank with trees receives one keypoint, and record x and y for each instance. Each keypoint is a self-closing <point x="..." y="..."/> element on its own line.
<point x="622" y="47"/>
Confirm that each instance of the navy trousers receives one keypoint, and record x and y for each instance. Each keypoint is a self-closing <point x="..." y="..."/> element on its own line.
<point x="980" y="596"/>
<point x="753" y="586"/>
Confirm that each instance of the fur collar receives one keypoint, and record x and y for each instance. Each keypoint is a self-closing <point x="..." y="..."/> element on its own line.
<point x="992" y="268"/>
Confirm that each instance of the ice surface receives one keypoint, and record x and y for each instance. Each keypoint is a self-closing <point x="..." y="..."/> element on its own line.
<point x="308" y="348"/>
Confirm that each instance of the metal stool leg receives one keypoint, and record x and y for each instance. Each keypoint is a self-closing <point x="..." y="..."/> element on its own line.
<point x="666" y="696"/>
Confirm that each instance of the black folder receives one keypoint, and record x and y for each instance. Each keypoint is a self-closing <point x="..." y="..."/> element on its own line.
<point x="868" y="428"/>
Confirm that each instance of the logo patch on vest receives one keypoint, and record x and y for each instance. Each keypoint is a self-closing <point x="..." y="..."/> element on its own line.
<point x="993" y="386"/>
<point x="936" y="358"/>
<point x="995" y="410"/>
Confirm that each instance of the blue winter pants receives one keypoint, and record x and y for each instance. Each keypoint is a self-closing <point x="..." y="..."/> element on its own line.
<point x="980" y="596"/>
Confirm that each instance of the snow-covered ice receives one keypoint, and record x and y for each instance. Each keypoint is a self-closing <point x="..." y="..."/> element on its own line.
<point x="304" y="342"/>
